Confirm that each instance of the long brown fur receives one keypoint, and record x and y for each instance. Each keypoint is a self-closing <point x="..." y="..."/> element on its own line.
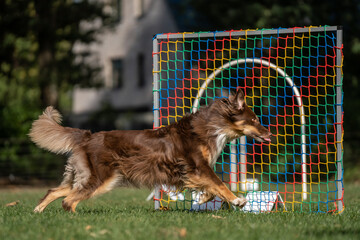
<point x="181" y="154"/>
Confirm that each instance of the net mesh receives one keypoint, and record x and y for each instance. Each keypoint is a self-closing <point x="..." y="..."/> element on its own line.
<point x="290" y="81"/>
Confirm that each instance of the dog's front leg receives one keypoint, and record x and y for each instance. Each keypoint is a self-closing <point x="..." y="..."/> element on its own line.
<point x="206" y="197"/>
<point x="206" y="180"/>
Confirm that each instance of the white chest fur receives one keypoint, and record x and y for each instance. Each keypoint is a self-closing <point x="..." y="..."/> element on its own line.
<point x="221" y="140"/>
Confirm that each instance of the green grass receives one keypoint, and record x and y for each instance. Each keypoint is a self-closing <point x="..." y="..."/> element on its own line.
<point x="124" y="214"/>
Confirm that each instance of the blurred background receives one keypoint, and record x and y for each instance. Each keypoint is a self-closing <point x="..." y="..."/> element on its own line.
<point x="92" y="60"/>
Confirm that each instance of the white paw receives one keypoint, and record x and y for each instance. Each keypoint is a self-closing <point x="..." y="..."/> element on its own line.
<point x="38" y="209"/>
<point x="239" y="202"/>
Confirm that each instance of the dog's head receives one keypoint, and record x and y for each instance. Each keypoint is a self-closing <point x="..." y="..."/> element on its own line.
<point x="240" y="119"/>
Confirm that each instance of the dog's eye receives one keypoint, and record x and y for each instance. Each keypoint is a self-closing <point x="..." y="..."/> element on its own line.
<point x="254" y="119"/>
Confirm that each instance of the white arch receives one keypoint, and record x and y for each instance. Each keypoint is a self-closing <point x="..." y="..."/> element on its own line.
<point x="242" y="139"/>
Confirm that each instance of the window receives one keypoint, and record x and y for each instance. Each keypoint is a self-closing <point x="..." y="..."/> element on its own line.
<point x="117" y="70"/>
<point x="141" y="70"/>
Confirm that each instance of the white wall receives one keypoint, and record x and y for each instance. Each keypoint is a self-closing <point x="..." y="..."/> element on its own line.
<point x="129" y="38"/>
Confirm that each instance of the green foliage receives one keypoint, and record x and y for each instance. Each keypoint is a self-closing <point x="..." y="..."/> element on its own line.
<point x="38" y="67"/>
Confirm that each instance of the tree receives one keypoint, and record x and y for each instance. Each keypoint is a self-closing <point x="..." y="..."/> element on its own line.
<point x="36" y="58"/>
<point x="37" y="66"/>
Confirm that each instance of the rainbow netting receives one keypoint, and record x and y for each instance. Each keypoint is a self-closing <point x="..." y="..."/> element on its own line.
<point x="292" y="79"/>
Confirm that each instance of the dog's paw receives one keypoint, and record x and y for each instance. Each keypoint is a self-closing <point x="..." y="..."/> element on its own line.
<point x="240" y="202"/>
<point x="38" y="209"/>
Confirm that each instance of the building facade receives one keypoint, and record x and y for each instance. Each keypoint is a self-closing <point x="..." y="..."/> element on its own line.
<point x="124" y="54"/>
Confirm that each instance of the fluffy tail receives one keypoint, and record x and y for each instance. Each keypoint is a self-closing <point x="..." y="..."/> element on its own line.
<point x="47" y="133"/>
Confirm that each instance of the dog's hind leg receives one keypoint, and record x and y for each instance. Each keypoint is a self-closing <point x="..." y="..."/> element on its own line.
<point x="73" y="199"/>
<point x="61" y="191"/>
<point x="94" y="187"/>
<point x="52" y="195"/>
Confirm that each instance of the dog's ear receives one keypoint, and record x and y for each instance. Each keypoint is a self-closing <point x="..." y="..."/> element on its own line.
<point x="238" y="100"/>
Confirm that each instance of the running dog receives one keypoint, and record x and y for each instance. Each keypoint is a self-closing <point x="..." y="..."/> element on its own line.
<point x="181" y="154"/>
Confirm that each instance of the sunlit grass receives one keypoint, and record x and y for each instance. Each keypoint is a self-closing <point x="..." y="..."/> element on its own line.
<point x="124" y="214"/>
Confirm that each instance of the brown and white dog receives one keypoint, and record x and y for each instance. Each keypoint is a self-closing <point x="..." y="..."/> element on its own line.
<point x="182" y="154"/>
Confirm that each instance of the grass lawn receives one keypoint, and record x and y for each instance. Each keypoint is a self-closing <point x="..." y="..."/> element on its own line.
<point x="124" y="214"/>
